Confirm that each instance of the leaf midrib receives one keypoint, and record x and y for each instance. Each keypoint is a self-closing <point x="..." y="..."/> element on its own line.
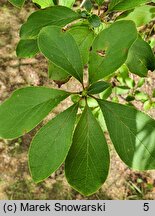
<point x="130" y="131"/>
<point x="54" y="141"/>
<point x="23" y="114"/>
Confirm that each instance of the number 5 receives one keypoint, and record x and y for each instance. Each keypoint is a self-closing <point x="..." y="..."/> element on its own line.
<point x="146" y="207"/>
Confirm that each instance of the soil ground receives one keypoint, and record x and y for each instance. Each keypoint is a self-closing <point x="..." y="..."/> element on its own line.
<point x="15" y="180"/>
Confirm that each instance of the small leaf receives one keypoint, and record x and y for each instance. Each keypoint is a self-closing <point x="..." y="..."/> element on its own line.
<point x="140" y="58"/>
<point x="153" y="93"/>
<point x="26" y="108"/>
<point x="108" y="52"/>
<point x="121" y="79"/>
<point x="147" y="105"/>
<point x="119" y="5"/>
<point x="56" y="15"/>
<point x="27" y="48"/>
<point x="67" y="3"/>
<point x="82" y="103"/>
<point x="130" y="98"/>
<point x="124" y="71"/>
<point x="84" y="14"/>
<point x="115" y="99"/>
<point x="84" y="37"/>
<point x="98" y="87"/>
<point x="17" y="3"/>
<point x="153" y="105"/>
<point x="62" y="50"/>
<point x="141" y="15"/>
<point x="94" y="21"/>
<point x="106" y="93"/>
<point x="99" y="2"/>
<point x="92" y="102"/>
<point x="141" y="82"/>
<point x="142" y="96"/>
<point x="87" y="5"/>
<point x="152" y="42"/>
<point x="87" y="163"/>
<point x="132" y="133"/>
<point x="44" y="4"/>
<point x="130" y="82"/>
<point x="51" y="144"/>
<point x="75" y="98"/>
<point x="120" y="90"/>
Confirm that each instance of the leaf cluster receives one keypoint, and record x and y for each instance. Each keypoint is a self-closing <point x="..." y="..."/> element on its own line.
<point x="110" y="45"/>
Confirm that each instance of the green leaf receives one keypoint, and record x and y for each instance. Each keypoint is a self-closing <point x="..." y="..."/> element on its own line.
<point x="62" y="50"/>
<point x="67" y="3"/>
<point x="120" y="90"/>
<point x="82" y="103"/>
<point x="130" y="82"/>
<point x="142" y="96"/>
<point x="57" y="74"/>
<point x="99" y="2"/>
<point x="153" y="93"/>
<point x="87" y="4"/>
<point x="132" y="133"/>
<point x="129" y="98"/>
<point x="140" y="58"/>
<point x="17" y="3"/>
<point x="152" y="42"/>
<point x="26" y="108"/>
<point x="98" y="87"/>
<point x="75" y="98"/>
<point x="106" y="93"/>
<point x="141" y="15"/>
<point x="44" y="4"/>
<point x="94" y="21"/>
<point x="141" y="82"/>
<point x="27" y="48"/>
<point x="84" y="37"/>
<point x="51" y="144"/>
<point x="87" y="163"/>
<point x="56" y="15"/>
<point x="147" y="105"/>
<point x="119" y="5"/>
<point x="110" y="49"/>
<point x="124" y="71"/>
<point x="101" y="120"/>
<point x="92" y="102"/>
<point x="115" y="99"/>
